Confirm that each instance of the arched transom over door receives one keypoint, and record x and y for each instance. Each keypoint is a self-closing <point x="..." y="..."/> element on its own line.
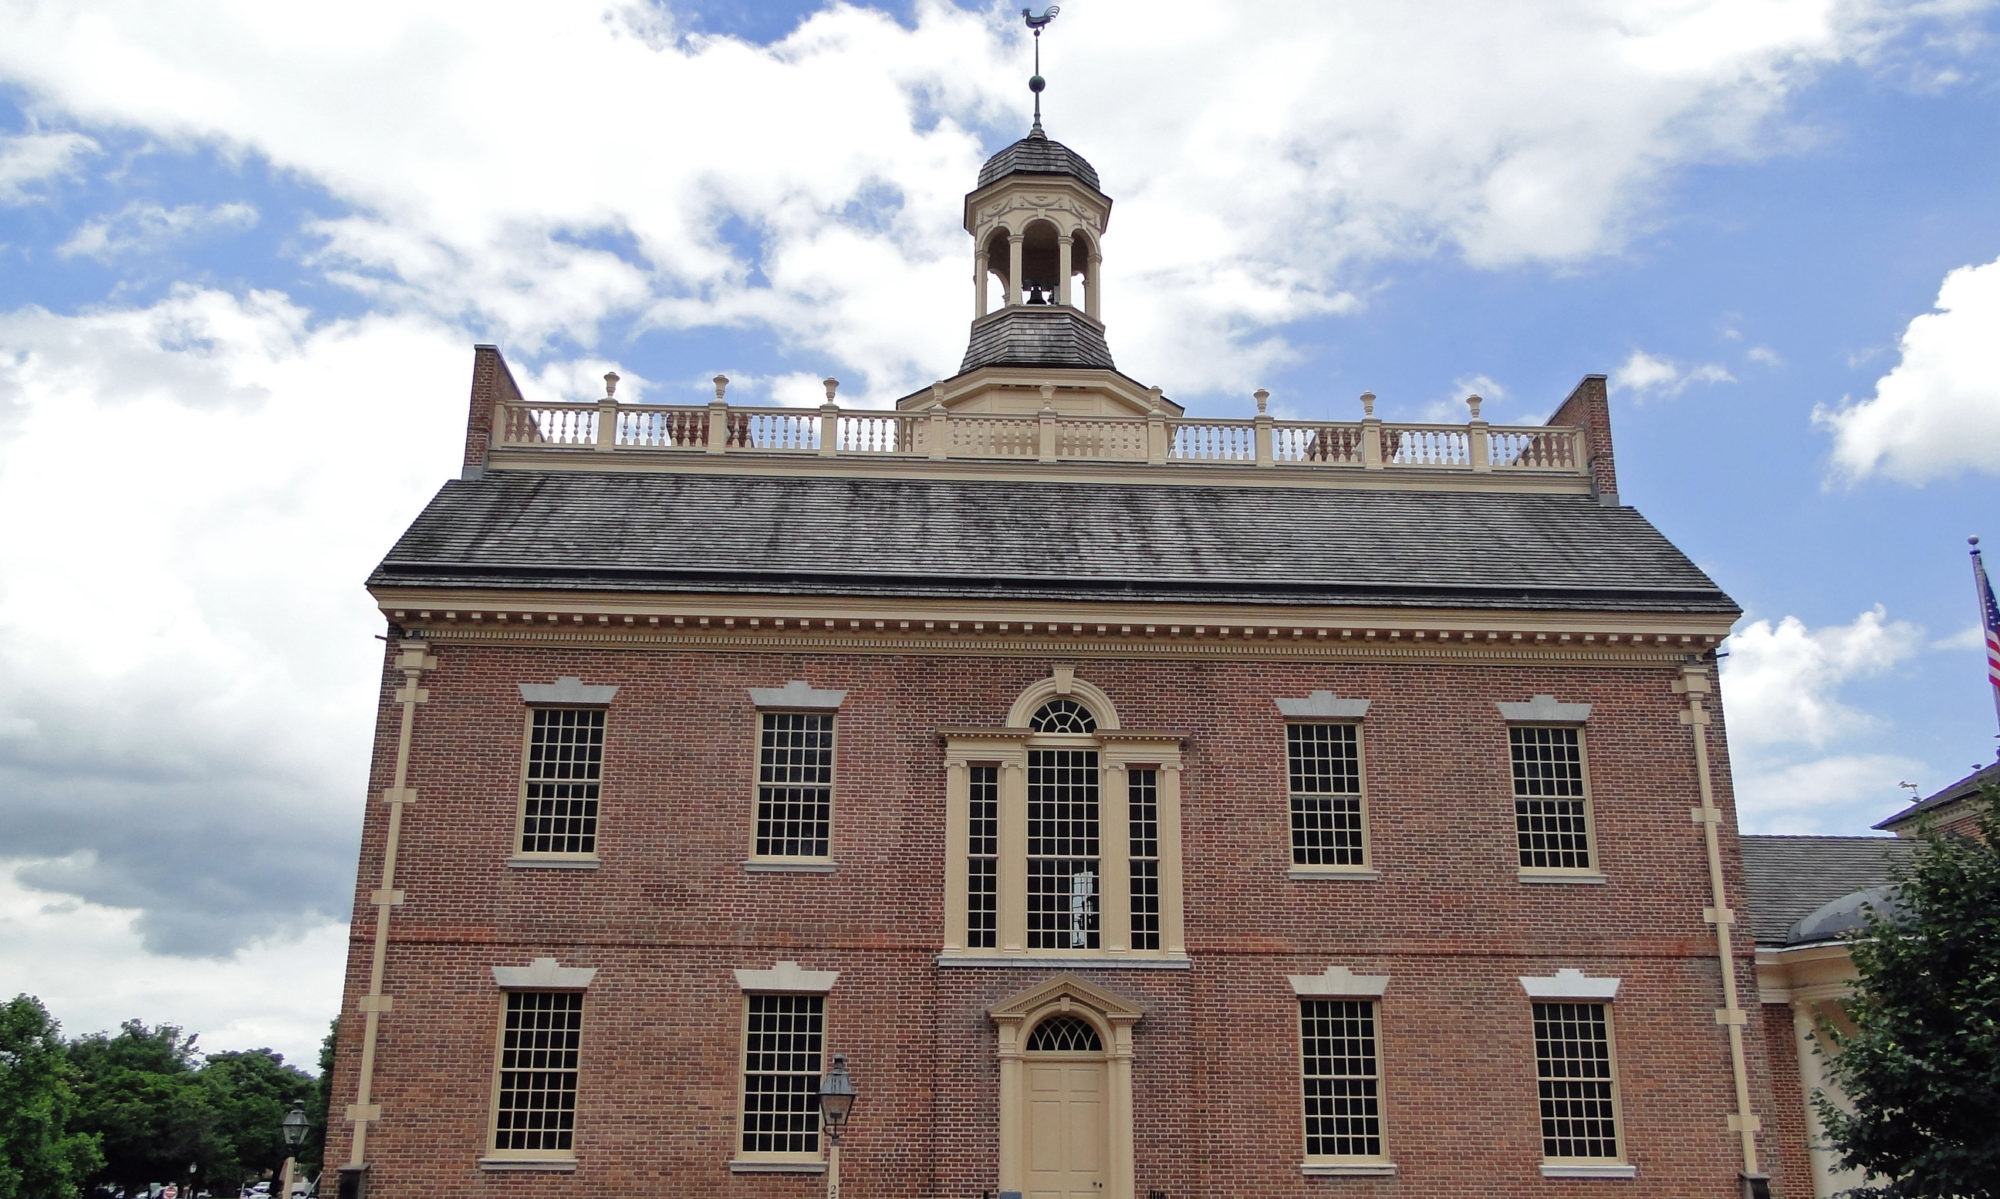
<point x="1065" y="1052"/>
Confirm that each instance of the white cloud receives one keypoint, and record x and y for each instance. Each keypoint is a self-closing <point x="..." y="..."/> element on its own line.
<point x="1971" y="637"/>
<point x="91" y="969"/>
<point x="1843" y="793"/>
<point x="1648" y="377"/>
<point x="143" y="226"/>
<point x="27" y="159"/>
<point x="1936" y="414"/>
<point x="1765" y="356"/>
<point x="539" y="169"/>
<point x="1781" y="681"/>
<point x="208" y="737"/>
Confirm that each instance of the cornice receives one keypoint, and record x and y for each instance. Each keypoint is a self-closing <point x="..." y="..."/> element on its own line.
<point x="998" y="628"/>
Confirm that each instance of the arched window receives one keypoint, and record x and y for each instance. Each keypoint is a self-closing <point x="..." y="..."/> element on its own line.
<point x="1062" y="715"/>
<point x="1064" y="1034"/>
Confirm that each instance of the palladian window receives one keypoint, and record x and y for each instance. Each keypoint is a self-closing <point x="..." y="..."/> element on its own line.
<point x="1064" y="833"/>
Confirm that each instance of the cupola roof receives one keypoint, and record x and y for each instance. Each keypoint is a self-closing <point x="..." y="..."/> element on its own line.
<point x="1037" y="154"/>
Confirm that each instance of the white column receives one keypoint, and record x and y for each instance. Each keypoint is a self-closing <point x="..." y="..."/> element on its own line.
<point x="1014" y="268"/>
<point x="957" y="840"/>
<point x="979" y="285"/>
<point x="1013" y="898"/>
<point x="1093" y="284"/>
<point x="1062" y="269"/>
<point x="1114" y="862"/>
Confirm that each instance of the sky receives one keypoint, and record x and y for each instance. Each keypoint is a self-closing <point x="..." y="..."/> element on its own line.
<point x="245" y="251"/>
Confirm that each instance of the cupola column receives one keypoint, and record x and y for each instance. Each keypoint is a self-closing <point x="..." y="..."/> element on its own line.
<point x="1014" y="241"/>
<point x="1093" y="287"/>
<point x="1062" y="269"/>
<point x="979" y="285"/>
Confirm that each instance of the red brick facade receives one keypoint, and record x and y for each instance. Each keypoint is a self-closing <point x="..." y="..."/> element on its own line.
<point x="671" y="911"/>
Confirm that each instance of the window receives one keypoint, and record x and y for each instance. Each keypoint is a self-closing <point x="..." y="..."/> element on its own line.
<point x="982" y="872"/>
<point x="562" y="775"/>
<point x="1142" y="813"/>
<point x="1551" y="804"/>
<point x="534" y="1106"/>
<point x="794" y="785"/>
<point x="1343" y="1100"/>
<point x="1063" y="835"/>
<point x="1064" y="1034"/>
<point x="1324" y="765"/>
<point x="783" y="1039"/>
<point x="1578" y="1092"/>
<point x="1063" y="829"/>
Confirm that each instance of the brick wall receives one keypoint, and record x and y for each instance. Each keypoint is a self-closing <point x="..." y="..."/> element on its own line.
<point x="1589" y="406"/>
<point x="671" y="911"/>
<point x="491" y="382"/>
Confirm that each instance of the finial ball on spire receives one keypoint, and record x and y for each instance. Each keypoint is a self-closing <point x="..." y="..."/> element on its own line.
<point x="1037" y="83"/>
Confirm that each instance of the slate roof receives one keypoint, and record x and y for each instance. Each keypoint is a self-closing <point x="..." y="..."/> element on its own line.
<point x="958" y="538"/>
<point x="1789" y="878"/>
<point x="1036" y="335"/>
<point x="1037" y="154"/>
<point x="1962" y="789"/>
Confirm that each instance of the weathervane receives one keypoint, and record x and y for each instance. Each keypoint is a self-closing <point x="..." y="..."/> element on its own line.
<point x="1037" y="83"/>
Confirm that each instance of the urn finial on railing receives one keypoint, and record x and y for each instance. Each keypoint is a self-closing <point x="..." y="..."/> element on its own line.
<point x="610" y="385"/>
<point x="1473" y="402"/>
<point x="1263" y="399"/>
<point x="832" y="385"/>
<point x="721" y="385"/>
<point x="1367" y="404"/>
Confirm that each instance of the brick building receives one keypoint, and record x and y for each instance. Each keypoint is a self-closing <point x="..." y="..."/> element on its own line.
<point x="1142" y="805"/>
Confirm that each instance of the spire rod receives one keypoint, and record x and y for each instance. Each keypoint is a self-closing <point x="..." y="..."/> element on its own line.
<point x="1037" y="83"/>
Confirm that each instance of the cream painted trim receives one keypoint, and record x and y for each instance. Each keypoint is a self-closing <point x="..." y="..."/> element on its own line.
<point x="1061" y="628"/>
<point x="1548" y="874"/>
<point x="536" y="1165"/>
<point x="412" y="659"/>
<point x="1358" y="874"/>
<point x="548" y="861"/>
<point x="543" y="975"/>
<point x="1543" y="709"/>
<point x="760" y="1165"/>
<point x="1113" y="1016"/>
<point x="1322" y="705"/>
<point x="1346" y="1169"/>
<point x="1570" y="984"/>
<point x="797" y="695"/>
<point x="790" y="865"/>
<point x="1607" y="1170"/>
<point x="1339" y="983"/>
<point x="986" y="959"/>
<point x="787" y="978"/>
<point x="1063" y="682"/>
<point x="567" y="691"/>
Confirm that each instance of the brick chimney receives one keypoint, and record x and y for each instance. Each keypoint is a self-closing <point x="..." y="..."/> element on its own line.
<point x="1589" y="408"/>
<point x="492" y="383"/>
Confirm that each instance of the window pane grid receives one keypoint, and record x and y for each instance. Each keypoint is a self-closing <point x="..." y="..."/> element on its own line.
<point x="781" y="1069"/>
<point x="982" y="882"/>
<point x="1062" y="716"/>
<point x="1573" y="1072"/>
<point x="1343" y="1103"/>
<point x="564" y="771"/>
<point x="1324" y="765"/>
<point x="1549" y="817"/>
<point x="794" y="785"/>
<point x="1062" y="849"/>
<point x="1142" y="797"/>
<point x="538" y="1069"/>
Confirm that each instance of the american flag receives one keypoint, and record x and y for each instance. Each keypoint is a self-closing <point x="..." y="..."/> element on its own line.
<point x="1989" y="616"/>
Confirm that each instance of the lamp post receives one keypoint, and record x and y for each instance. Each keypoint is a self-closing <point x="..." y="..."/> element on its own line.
<point x="836" y="1100"/>
<point x="293" y="1126"/>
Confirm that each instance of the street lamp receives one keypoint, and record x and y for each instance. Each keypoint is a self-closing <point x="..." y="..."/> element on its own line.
<point x="836" y="1100"/>
<point x="293" y="1128"/>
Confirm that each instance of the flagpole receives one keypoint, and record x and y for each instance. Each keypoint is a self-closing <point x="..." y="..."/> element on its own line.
<point x="1989" y="624"/>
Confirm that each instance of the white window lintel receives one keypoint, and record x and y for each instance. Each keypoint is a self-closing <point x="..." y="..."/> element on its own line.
<point x="566" y="690"/>
<point x="543" y="975"/>
<point x="1340" y="982"/>
<point x="1323" y="703"/>
<point x="787" y="978"/>
<point x="1543" y="709"/>
<point x="1570" y="984"/>
<point x="796" y="694"/>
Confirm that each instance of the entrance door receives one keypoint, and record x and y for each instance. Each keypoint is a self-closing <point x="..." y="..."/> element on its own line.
<point x="1066" y="1127"/>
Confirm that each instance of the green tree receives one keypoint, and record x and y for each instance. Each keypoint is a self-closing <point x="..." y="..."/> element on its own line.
<point x="1922" y="1068"/>
<point x="41" y="1156"/>
<point x="140" y="1092"/>
<point x="313" y="1153"/>
<point x="250" y="1093"/>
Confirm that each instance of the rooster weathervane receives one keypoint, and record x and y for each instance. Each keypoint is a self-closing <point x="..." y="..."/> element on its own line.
<point x="1037" y="83"/>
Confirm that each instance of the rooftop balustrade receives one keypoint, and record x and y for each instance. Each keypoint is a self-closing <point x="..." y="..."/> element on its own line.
<point x="937" y="433"/>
